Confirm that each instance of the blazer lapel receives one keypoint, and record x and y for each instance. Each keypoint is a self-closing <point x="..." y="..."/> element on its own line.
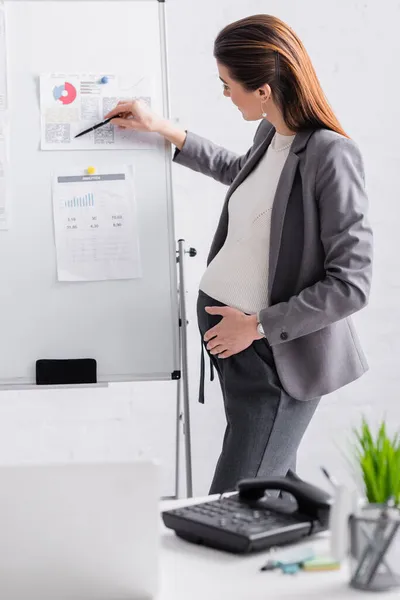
<point x="282" y="194"/>
<point x="250" y="164"/>
<point x="281" y="199"/>
<point x="222" y="229"/>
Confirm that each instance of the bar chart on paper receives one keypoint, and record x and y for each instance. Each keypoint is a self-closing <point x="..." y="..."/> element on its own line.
<point x="86" y="200"/>
<point x="95" y="222"/>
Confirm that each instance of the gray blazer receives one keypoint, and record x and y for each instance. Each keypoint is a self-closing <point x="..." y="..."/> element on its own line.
<point x="320" y="261"/>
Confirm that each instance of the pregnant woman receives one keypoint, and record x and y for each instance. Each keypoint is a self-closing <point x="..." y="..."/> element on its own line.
<point x="291" y="259"/>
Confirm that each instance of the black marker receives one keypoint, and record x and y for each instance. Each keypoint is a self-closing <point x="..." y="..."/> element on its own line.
<point x="96" y="126"/>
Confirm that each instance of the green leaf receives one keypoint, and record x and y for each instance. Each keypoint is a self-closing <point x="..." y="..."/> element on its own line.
<point x="378" y="459"/>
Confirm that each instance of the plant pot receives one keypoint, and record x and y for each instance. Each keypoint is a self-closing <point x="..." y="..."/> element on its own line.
<point x="375" y="548"/>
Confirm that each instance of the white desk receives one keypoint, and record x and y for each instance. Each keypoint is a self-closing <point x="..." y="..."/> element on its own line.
<point x="190" y="572"/>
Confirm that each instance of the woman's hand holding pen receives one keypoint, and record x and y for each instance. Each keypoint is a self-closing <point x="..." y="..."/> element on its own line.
<point x="134" y="115"/>
<point x="138" y="116"/>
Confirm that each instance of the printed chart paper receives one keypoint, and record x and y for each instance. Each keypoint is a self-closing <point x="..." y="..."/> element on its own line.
<point x="96" y="231"/>
<point x="70" y="104"/>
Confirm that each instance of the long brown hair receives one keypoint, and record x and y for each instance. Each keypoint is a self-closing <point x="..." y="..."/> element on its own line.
<point x="263" y="49"/>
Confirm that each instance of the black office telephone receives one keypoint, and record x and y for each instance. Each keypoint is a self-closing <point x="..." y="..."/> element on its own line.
<point x="251" y="520"/>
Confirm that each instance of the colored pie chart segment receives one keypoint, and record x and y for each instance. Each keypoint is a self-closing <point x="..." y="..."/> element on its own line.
<point x="65" y="93"/>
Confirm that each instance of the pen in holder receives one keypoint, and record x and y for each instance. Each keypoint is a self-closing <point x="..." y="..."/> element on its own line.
<point x="374" y="527"/>
<point x="375" y="548"/>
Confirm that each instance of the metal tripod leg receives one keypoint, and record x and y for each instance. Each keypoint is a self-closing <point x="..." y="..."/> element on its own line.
<point x="184" y="382"/>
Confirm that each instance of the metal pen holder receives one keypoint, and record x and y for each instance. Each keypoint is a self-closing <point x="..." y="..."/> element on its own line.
<point x="375" y="548"/>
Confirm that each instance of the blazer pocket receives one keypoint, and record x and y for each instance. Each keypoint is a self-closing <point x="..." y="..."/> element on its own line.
<point x="319" y="363"/>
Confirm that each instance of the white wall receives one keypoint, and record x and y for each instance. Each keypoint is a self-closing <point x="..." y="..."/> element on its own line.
<point x="355" y="47"/>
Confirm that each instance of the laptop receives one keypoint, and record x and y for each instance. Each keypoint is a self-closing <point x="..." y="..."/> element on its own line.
<point x="79" y="531"/>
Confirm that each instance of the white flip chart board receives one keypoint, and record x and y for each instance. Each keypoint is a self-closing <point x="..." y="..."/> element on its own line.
<point x="130" y="327"/>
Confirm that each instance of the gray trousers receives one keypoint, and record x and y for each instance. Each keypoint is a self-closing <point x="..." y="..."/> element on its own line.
<point x="264" y="424"/>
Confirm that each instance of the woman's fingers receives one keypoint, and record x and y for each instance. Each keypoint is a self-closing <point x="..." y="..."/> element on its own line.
<point x="218" y="350"/>
<point x="122" y="107"/>
<point x="134" y="115"/>
<point x="125" y="123"/>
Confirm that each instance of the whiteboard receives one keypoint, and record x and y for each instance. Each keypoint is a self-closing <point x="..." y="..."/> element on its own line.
<point x="129" y="327"/>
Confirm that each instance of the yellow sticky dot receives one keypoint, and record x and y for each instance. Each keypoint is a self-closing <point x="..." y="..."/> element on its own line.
<point x="91" y="170"/>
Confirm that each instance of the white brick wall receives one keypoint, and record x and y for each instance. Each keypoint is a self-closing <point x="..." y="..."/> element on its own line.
<point x="117" y="423"/>
<point x="359" y="75"/>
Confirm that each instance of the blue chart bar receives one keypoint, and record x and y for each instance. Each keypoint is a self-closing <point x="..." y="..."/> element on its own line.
<point x="80" y="201"/>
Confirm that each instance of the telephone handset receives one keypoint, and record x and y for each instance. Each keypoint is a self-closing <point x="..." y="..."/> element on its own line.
<point x="251" y="520"/>
<point x="311" y="501"/>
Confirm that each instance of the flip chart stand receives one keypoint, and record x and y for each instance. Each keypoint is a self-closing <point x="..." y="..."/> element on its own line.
<point x="183" y="382"/>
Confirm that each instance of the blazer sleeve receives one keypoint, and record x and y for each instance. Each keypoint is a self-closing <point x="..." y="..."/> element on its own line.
<point x="347" y="240"/>
<point x="203" y="156"/>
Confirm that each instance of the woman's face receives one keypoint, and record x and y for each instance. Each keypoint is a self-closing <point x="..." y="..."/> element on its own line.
<point x="249" y="103"/>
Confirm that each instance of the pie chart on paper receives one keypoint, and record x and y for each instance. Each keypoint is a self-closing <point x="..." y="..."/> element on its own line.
<point x="65" y="93"/>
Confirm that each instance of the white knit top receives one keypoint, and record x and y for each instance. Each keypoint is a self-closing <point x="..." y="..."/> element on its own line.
<point x="238" y="275"/>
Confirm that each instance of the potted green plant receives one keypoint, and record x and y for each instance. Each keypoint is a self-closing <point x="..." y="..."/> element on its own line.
<point x="374" y="529"/>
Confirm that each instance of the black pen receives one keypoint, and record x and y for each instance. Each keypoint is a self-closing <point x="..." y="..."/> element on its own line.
<point x="96" y="126"/>
<point x="331" y="479"/>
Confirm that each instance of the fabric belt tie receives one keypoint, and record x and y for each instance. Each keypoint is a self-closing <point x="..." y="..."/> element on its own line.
<point x="202" y="373"/>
